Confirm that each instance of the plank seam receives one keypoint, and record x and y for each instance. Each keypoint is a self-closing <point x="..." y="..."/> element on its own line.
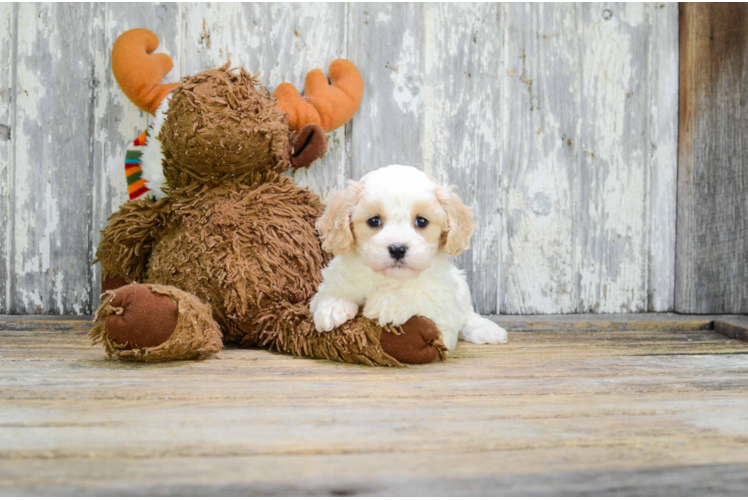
<point x="91" y="158"/>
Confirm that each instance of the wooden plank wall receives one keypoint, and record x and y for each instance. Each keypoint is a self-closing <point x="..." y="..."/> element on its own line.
<point x="712" y="249"/>
<point x="557" y="122"/>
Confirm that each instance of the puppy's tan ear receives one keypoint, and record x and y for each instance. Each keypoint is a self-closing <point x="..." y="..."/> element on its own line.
<point x="460" y="225"/>
<point x="335" y="224"/>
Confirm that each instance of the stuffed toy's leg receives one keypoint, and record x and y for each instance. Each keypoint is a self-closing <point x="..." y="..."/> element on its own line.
<point x="289" y="328"/>
<point x="155" y="323"/>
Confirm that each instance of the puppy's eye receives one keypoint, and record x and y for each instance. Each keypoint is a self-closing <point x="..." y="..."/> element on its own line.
<point x="374" y="222"/>
<point x="421" y="222"/>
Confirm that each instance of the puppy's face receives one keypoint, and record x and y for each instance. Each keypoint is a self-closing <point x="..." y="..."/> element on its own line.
<point x="396" y="219"/>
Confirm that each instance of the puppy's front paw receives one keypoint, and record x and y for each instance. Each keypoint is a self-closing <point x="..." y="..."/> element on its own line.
<point x="387" y="309"/>
<point x="332" y="313"/>
<point x="480" y="330"/>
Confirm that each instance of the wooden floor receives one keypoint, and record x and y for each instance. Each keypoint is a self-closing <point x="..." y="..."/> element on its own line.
<point x="577" y="405"/>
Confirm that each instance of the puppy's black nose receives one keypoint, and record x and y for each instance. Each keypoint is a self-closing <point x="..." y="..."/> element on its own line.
<point x="397" y="252"/>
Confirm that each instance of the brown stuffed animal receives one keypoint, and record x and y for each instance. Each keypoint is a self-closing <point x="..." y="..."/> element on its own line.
<point x="217" y="245"/>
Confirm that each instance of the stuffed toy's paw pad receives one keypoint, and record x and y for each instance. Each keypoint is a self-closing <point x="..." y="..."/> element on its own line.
<point x="417" y="344"/>
<point x="143" y="318"/>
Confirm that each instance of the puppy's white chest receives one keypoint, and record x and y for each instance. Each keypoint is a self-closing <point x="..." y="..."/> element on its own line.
<point x="432" y="296"/>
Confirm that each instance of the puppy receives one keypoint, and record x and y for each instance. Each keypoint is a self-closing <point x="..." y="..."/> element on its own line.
<point x="392" y="235"/>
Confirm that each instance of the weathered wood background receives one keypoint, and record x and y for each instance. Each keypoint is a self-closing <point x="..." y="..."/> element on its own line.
<point x="558" y="123"/>
<point x="712" y="246"/>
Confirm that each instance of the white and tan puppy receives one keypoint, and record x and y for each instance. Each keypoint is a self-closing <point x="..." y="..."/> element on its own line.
<point x="392" y="234"/>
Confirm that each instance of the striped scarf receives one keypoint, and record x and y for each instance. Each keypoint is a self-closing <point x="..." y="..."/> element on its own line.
<point x="136" y="186"/>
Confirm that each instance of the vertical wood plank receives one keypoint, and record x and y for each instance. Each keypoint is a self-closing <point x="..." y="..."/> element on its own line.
<point x="613" y="156"/>
<point x="462" y="120"/>
<point x="7" y="61"/>
<point x="117" y="121"/>
<point x="51" y="192"/>
<point x="386" y="43"/>
<point x="541" y="105"/>
<point x="712" y="244"/>
<point x="284" y="42"/>
<point x="663" y="159"/>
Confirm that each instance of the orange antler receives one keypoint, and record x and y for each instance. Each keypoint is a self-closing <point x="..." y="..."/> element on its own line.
<point x="329" y="106"/>
<point x="138" y="72"/>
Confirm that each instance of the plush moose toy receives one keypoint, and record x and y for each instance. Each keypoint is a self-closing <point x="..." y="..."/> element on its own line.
<point x="216" y="245"/>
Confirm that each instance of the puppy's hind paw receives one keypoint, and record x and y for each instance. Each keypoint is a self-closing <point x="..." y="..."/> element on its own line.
<point x="480" y="330"/>
<point x="332" y="313"/>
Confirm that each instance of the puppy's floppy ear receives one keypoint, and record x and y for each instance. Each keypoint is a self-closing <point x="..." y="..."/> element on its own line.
<point x="460" y="225"/>
<point x="335" y="224"/>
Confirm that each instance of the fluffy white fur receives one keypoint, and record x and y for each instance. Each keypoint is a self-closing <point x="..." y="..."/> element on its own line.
<point x="151" y="161"/>
<point x="423" y="282"/>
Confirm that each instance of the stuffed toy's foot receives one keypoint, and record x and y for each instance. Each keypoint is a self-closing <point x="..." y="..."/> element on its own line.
<point x="415" y="342"/>
<point x="155" y="323"/>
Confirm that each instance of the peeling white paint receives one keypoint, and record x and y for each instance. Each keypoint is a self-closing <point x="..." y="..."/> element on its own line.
<point x="405" y="76"/>
<point x="6" y="55"/>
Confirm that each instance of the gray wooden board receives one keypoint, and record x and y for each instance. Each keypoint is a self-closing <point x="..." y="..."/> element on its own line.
<point x="462" y="123"/>
<point x="579" y="163"/>
<point x="516" y="322"/>
<point x="7" y="60"/>
<point x="386" y="42"/>
<point x="505" y="101"/>
<point x="613" y="151"/>
<point x="663" y="155"/>
<point x="700" y="480"/>
<point x="712" y="247"/>
<point x="540" y="112"/>
<point x="51" y="193"/>
<point x="735" y="327"/>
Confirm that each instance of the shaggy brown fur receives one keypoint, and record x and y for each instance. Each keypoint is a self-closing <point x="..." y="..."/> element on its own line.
<point x="235" y="240"/>
<point x="222" y="124"/>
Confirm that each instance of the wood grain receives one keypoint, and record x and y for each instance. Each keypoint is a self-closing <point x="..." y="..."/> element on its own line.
<point x="541" y="116"/>
<point x="663" y="156"/>
<point x="51" y="193"/>
<point x="508" y="102"/>
<point x="386" y="43"/>
<point x="549" y="413"/>
<point x="463" y="55"/>
<point x="7" y="59"/>
<point x="581" y="164"/>
<point x="613" y="158"/>
<point x="712" y="247"/>
<point x="735" y="327"/>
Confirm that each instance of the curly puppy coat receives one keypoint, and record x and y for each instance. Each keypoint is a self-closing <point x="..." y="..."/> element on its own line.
<point x="392" y="234"/>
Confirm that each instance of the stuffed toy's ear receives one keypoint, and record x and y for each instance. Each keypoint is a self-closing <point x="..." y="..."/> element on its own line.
<point x="327" y="105"/>
<point x="309" y="144"/>
<point x="139" y="72"/>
